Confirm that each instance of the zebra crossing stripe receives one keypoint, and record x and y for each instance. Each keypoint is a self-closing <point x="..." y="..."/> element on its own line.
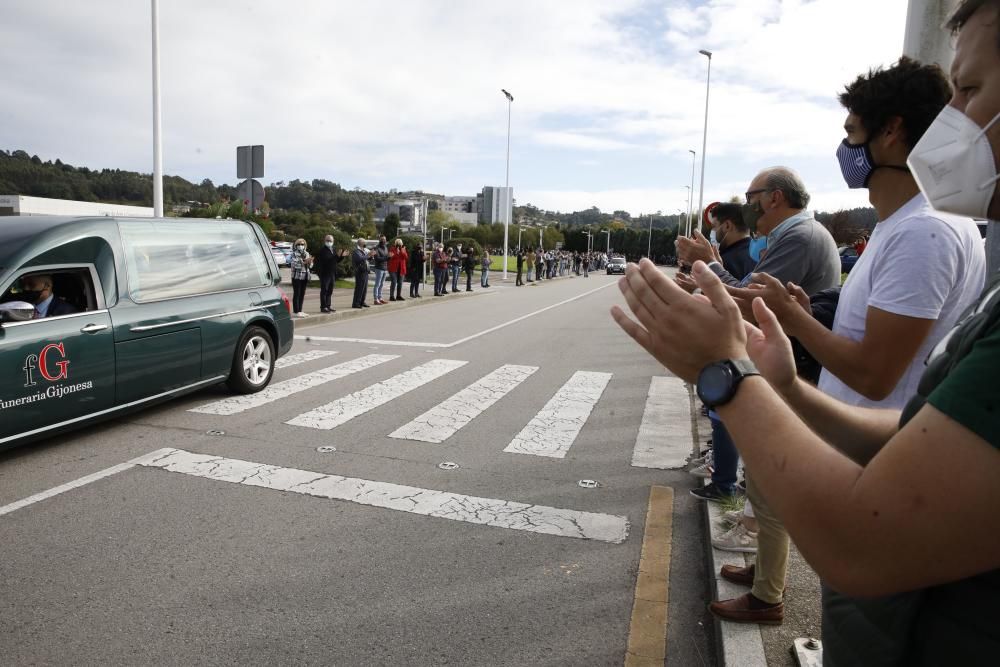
<point x="279" y="390"/>
<point x="664" y="439"/>
<point x="552" y="431"/>
<point x="427" y="502"/>
<point x="444" y="420"/>
<point x="293" y="359"/>
<point x="347" y="408"/>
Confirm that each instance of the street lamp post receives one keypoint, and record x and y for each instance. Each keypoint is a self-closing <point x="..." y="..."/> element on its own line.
<point x="687" y="224"/>
<point x="450" y="232"/>
<point x="688" y="203"/>
<point x="443" y="230"/>
<point x="510" y="202"/>
<point x="704" y="134"/>
<point x="541" y="244"/>
<point x="157" y="138"/>
<point x="520" y="229"/>
<point x="649" y="243"/>
<point x="608" y="232"/>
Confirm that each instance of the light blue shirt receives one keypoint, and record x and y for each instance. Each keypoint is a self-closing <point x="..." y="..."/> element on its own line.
<point x="787" y="224"/>
<point x="42" y="309"/>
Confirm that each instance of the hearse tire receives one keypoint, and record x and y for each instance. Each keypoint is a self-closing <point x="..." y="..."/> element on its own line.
<point x="253" y="362"/>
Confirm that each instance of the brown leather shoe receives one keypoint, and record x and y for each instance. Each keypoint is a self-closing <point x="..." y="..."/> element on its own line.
<point x="738" y="610"/>
<point x="738" y="575"/>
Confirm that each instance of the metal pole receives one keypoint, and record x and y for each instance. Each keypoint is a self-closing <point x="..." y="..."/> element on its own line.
<point x="157" y="139"/>
<point x="704" y="135"/>
<point x="604" y="231"/>
<point x="649" y="245"/>
<point x="687" y="224"/>
<point x="510" y="200"/>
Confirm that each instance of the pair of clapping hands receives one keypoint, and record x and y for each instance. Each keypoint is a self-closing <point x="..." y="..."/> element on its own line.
<point x="686" y="332"/>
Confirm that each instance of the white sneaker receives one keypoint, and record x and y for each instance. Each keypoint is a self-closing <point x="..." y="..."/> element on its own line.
<point x="737" y="538"/>
<point x="703" y="471"/>
<point x="733" y="517"/>
<point x="301" y="314"/>
<point x="705" y="459"/>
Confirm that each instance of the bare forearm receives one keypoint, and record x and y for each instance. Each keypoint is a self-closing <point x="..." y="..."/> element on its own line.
<point x="857" y="432"/>
<point x="839" y="355"/>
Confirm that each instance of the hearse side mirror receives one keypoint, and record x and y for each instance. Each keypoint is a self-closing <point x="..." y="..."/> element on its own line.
<point x="16" y="311"/>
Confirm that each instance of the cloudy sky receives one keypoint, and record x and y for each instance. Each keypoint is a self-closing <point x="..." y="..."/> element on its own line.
<point x="609" y="95"/>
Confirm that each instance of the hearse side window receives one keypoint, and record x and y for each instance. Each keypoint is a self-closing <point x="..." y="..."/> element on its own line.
<point x="57" y="291"/>
<point x="176" y="259"/>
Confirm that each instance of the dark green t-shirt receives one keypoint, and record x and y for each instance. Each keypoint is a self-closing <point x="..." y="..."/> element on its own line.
<point x="970" y="394"/>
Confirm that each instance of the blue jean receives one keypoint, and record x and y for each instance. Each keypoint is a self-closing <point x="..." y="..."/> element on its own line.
<point x="455" y="270"/>
<point x="379" y="281"/>
<point x="484" y="279"/>
<point x="724" y="456"/>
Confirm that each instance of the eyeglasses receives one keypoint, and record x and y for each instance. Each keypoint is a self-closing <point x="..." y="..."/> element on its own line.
<point x="751" y="193"/>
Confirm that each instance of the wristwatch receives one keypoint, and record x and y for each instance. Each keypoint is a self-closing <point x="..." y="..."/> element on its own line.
<point x="717" y="382"/>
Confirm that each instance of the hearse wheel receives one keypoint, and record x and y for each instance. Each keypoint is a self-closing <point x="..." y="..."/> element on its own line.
<point x="253" y="363"/>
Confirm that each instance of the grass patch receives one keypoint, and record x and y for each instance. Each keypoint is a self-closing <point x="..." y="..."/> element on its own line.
<point x="732" y="503"/>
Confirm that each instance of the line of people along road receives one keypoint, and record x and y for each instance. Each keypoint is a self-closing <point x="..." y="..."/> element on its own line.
<point x="399" y="265"/>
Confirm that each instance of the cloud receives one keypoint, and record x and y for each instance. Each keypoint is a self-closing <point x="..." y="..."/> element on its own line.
<point x="387" y="94"/>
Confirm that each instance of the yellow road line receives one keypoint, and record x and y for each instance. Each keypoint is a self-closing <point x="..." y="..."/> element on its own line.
<point x="647" y="637"/>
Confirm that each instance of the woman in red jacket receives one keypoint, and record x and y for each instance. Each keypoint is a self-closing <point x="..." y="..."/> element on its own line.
<point x="398" y="258"/>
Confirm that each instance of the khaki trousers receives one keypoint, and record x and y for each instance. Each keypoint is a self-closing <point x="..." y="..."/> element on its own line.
<point x="772" y="549"/>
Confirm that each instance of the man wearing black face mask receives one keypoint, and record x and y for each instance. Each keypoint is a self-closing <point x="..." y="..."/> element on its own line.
<point x="37" y="290"/>
<point x="733" y="237"/>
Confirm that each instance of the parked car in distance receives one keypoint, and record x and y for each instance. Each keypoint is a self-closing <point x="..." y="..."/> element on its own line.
<point x="281" y="256"/>
<point x="616" y="265"/>
<point x="139" y="311"/>
<point x="848" y="258"/>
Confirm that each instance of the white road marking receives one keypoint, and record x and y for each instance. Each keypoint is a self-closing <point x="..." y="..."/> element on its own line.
<point x="664" y="439"/>
<point x="279" y="390"/>
<point x="407" y="343"/>
<point x="444" y="420"/>
<point x="347" y="408"/>
<point x="371" y="341"/>
<point x="293" y="359"/>
<point x="76" y="483"/>
<point x="426" y="502"/>
<point x="552" y="431"/>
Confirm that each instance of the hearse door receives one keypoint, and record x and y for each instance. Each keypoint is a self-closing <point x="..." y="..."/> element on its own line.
<point x="56" y="370"/>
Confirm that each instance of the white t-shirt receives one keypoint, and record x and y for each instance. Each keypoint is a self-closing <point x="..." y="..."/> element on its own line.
<point x="918" y="263"/>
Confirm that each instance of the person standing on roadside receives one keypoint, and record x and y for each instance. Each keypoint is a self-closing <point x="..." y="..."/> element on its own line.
<point x="469" y="265"/>
<point x="359" y="262"/>
<point x="520" y="267"/>
<point x="397" y="267"/>
<point x="529" y="259"/>
<point x="301" y="261"/>
<point x="415" y="271"/>
<point x="484" y="263"/>
<point x="380" y="262"/>
<point x="325" y="265"/>
<point x="455" y="265"/>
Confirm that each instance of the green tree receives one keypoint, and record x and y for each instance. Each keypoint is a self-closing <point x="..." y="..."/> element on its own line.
<point x="390" y="227"/>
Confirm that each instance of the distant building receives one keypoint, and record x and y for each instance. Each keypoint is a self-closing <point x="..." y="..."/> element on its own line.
<point x="22" y="205"/>
<point x="412" y="213"/>
<point x="495" y="204"/>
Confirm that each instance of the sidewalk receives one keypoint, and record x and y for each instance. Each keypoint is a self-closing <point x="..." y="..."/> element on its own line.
<point x="747" y="644"/>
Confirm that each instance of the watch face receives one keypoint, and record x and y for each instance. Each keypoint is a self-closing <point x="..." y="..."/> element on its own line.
<point x="715" y="384"/>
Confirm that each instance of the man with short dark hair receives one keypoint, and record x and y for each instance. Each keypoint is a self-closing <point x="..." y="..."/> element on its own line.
<point x="733" y="238"/>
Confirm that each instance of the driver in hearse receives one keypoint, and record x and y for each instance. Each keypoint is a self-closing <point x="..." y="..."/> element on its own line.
<point x="37" y="290"/>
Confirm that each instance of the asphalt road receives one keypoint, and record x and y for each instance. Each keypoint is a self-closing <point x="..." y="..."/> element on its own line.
<point x="178" y="563"/>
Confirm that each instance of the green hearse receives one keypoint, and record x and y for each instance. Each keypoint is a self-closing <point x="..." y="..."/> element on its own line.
<point x="99" y="316"/>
